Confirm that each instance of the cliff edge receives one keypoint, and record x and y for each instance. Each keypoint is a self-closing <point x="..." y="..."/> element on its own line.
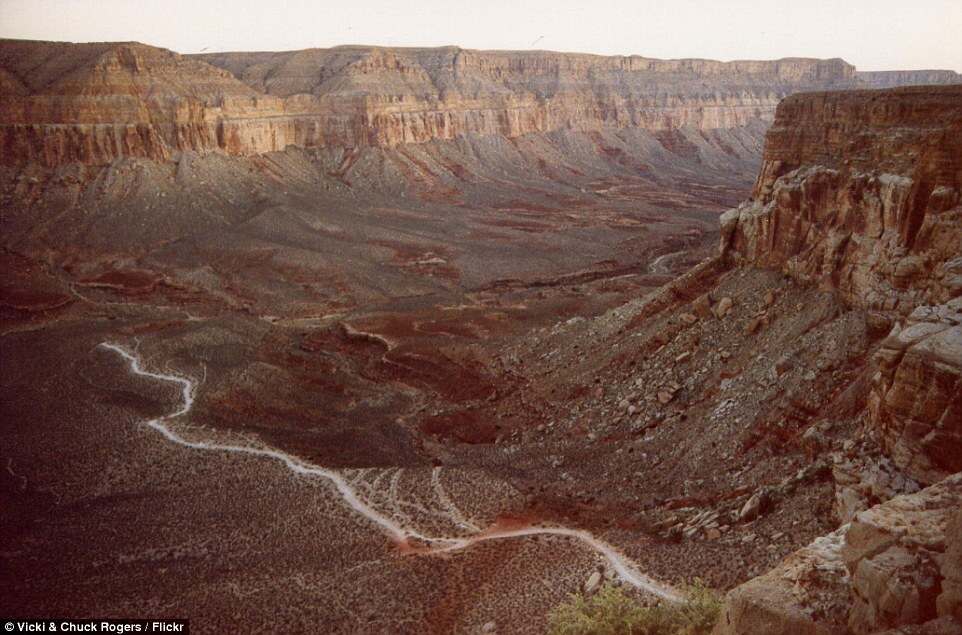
<point x="859" y="193"/>
<point x="92" y="103"/>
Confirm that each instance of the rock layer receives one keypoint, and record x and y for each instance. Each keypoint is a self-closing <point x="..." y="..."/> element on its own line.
<point x="92" y="103"/>
<point x="860" y="190"/>
<point x="95" y="102"/>
<point x="887" y="568"/>
<point x="365" y="95"/>
<point x="916" y="399"/>
<point x="893" y="79"/>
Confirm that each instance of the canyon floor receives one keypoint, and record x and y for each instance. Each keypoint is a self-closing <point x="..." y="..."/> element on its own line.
<point x="438" y="384"/>
<point x="394" y="339"/>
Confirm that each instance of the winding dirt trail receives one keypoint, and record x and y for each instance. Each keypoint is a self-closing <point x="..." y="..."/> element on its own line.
<point x="401" y="534"/>
<point x="657" y="265"/>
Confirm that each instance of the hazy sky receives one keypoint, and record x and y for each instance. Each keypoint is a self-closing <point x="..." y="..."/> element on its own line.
<point x="872" y="34"/>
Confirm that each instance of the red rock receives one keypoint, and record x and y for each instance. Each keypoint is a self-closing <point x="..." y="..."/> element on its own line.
<point x="702" y="305"/>
<point x="916" y="403"/>
<point x="845" y="172"/>
<point x="723" y="307"/>
<point x="131" y="99"/>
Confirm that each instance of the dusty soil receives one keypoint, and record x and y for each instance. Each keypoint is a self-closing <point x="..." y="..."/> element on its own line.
<point x="461" y="365"/>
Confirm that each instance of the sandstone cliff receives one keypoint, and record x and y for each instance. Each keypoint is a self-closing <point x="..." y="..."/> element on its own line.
<point x="895" y="565"/>
<point x="92" y="103"/>
<point x="95" y="102"/>
<point x="367" y="95"/>
<point x="893" y="79"/>
<point x="859" y="192"/>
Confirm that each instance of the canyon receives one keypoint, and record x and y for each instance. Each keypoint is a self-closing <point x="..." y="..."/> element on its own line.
<point x="865" y="201"/>
<point x="135" y="100"/>
<point x="423" y="340"/>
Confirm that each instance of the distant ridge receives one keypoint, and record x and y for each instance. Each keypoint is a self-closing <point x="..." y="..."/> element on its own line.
<point x="95" y="102"/>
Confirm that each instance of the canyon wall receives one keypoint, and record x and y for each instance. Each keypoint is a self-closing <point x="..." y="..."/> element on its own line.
<point x="362" y="95"/>
<point x="894" y="79"/>
<point x="860" y="192"/>
<point x="93" y="103"/>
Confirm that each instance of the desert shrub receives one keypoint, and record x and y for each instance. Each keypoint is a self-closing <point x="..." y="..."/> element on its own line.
<point x="611" y="612"/>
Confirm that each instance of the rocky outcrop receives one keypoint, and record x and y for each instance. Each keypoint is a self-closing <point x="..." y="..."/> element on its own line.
<point x="94" y="102"/>
<point x="804" y="595"/>
<point x="916" y="398"/>
<point x="949" y="602"/>
<point x="893" y="79"/>
<point x="860" y="190"/>
<point x="895" y="554"/>
<point x="896" y="564"/>
<point x="91" y="103"/>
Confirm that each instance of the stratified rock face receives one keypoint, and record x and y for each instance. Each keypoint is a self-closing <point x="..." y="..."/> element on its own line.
<point x="916" y="399"/>
<point x="950" y="600"/>
<point x="896" y="564"/>
<point x="860" y="190"/>
<point x="363" y="95"/>
<point x="896" y="555"/>
<point x="91" y="103"/>
<point x="893" y="79"/>
<point x="95" y="102"/>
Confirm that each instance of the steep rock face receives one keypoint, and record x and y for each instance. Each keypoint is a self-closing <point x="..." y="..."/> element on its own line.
<point x="894" y="565"/>
<point x="893" y="79"/>
<point x="91" y="103"/>
<point x="363" y="95"/>
<point x="860" y="190"/>
<point x="96" y="102"/>
<point x="950" y="600"/>
<point x="916" y="398"/>
<point x="896" y="556"/>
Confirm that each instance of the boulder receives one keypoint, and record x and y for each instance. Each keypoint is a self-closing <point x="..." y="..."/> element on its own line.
<point x="894" y="588"/>
<point x="723" y="307"/>
<point x="755" y="506"/>
<point x="702" y="306"/>
<point x="593" y="582"/>
<point x="882" y="569"/>
<point x="807" y="594"/>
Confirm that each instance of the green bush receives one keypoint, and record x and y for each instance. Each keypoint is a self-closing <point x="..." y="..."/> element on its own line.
<point x="611" y="612"/>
